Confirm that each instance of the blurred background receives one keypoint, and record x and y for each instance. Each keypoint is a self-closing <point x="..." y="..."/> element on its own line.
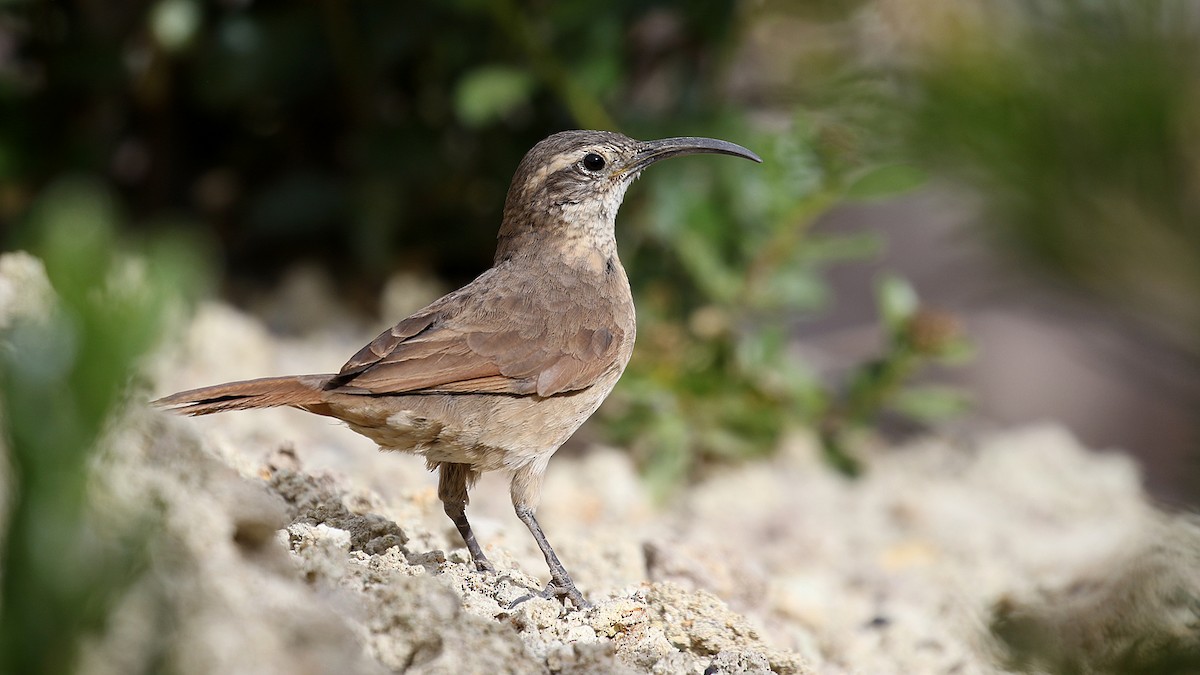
<point x="972" y="213"/>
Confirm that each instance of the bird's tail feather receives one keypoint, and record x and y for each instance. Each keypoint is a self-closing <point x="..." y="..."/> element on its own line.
<point x="267" y="392"/>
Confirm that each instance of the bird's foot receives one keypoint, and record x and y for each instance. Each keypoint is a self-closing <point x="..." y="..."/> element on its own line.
<point x="563" y="591"/>
<point x="484" y="565"/>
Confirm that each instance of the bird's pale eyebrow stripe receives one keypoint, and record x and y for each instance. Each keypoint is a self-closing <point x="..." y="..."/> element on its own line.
<point x="560" y="162"/>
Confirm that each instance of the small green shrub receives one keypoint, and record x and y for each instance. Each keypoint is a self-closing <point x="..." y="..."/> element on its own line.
<point x="63" y="376"/>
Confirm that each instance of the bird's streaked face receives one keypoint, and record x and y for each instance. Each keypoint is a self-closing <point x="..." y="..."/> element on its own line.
<point x="572" y="183"/>
<point x="571" y="177"/>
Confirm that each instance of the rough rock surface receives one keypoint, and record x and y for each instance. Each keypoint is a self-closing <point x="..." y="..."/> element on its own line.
<point x="285" y="543"/>
<point x="285" y="570"/>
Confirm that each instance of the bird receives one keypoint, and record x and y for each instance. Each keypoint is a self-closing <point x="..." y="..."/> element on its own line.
<point x="498" y="374"/>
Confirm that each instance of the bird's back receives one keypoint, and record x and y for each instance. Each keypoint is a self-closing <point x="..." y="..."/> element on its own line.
<point x="532" y="353"/>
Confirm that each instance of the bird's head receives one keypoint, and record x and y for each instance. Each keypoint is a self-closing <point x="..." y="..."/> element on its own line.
<point x="570" y="185"/>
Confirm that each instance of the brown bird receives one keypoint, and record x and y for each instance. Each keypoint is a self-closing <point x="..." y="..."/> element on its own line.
<point x="498" y="374"/>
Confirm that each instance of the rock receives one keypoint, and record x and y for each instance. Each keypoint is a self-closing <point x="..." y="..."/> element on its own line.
<point x="24" y="289"/>
<point x="283" y="543"/>
<point x="413" y="605"/>
<point x="216" y="596"/>
<point x="1138" y="612"/>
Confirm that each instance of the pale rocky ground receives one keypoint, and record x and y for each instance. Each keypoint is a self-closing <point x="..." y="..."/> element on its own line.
<point x="288" y="544"/>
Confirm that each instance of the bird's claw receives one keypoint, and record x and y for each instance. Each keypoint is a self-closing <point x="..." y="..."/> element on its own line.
<point x="563" y="592"/>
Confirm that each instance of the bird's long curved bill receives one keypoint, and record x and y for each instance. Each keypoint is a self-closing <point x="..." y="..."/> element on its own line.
<point x="653" y="151"/>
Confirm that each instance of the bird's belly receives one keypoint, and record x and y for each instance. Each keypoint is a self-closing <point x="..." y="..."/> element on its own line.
<point x="486" y="431"/>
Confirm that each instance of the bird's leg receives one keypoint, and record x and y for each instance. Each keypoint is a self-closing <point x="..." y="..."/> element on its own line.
<point x="560" y="582"/>
<point x="526" y="489"/>
<point x="453" y="482"/>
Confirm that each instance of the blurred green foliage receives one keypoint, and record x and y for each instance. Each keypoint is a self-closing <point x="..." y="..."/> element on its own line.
<point x="365" y="135"/>
<point x="1078" y="122"/>
<point x="373" y="136"/>
<point x="721" y="282"/>
<point x="915" y="338"/>
<point x="63" y="375"/>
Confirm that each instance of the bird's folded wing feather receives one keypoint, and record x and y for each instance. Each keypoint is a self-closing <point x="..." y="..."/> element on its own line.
<point x="434" y="353"/>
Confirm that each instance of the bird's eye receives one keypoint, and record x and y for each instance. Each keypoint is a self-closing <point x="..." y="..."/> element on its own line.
<point x="593" y="162"/>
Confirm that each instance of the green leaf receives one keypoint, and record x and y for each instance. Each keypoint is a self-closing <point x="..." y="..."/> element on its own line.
<point x="886" y="181"/>
<point x="957" y="352"/>
<point x="931" y="403"/>
<point x="796" y="288"/>
<point x="489" y="93"/>
<point x="835" y="248"/>
<point x="706" y="267"/>
<point x="897" y="300"/>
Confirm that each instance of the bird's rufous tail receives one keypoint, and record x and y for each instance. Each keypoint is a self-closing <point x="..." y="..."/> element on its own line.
<point x="267" y="392"/>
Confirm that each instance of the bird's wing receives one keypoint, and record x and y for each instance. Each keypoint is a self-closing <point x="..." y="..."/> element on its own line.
<point x="504" y="346"/>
